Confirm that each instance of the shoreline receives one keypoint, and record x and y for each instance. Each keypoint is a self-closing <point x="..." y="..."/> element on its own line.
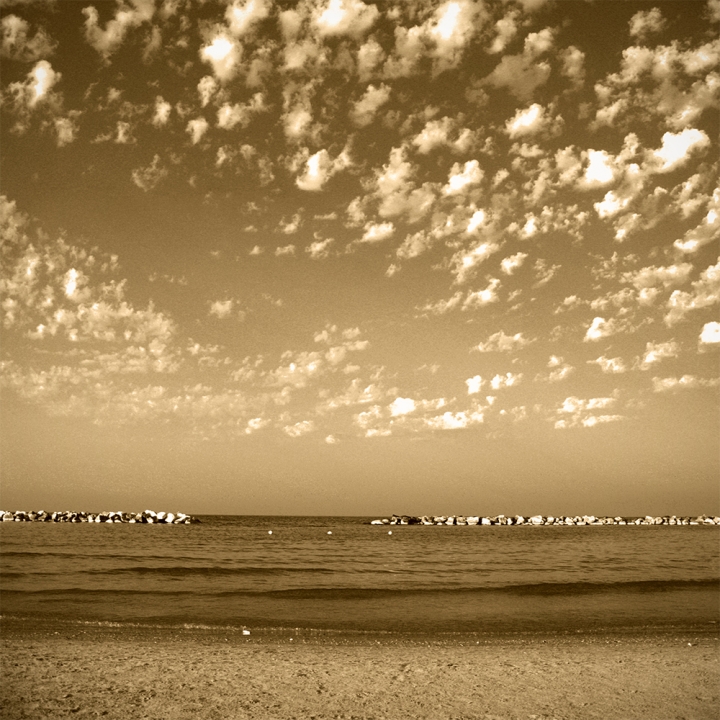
<point x="116" y="673"/>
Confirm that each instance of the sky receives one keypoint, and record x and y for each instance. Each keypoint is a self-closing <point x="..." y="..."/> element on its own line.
<point x="352" y="258"/>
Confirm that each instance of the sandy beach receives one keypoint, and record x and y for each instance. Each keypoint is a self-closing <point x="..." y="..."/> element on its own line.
<point x="86" y="671"/>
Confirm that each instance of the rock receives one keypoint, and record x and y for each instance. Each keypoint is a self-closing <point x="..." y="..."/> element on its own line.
<point x="536" y="520"/>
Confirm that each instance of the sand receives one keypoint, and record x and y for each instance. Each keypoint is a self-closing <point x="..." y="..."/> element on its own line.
<point x="81" y="671"/>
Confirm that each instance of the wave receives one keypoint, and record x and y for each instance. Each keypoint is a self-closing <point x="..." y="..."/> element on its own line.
<point x="348" y="593"/>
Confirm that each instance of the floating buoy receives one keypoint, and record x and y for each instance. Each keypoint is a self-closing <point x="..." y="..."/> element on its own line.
<point x="389" y="532"/>
<point x="269" y="532"/>
<point x="329" y="532"/>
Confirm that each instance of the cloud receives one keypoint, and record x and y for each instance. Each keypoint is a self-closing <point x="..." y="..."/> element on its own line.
<point x="107" y="41"/>
<point x="677" y="148"/>
<point x="710" y="334"/>
<point x="523" y="74"/>
<point x="196" y="129"/>
<point x="377" y="232"/>
<point x="147" y="178"/>
<point x="646" y="22"/>
<point x="230" y="116"/>
<point x="655" y="352"/>
<point x="511" y="263"/>
<point x="320" y="249"/>
<point x="601" y="328"/>
<point x="401" y="406"/>
<point x="221" y="309"/>
<point x="18" y="45"/>
<point x="474" y="384"/>
<point x="500" y="342"/>
<point x="483" y="297"/>
<point x="686" y="382"/>
<point x="319" y="168"/>
<point x="438" y="133"/>
<point x="162" y="112"/>
<point x="577" y="412"/>
<point x="242" y="18"/>
<point x="224" y="55"/>
<point x="461" y="180"/>
<point x="609" y="365"/>
<point x="505" y="381"/>
<point x="299" y="428"/>
<point x="36" y="89"/>
<point x="285" y="250"/>
<point x="345" y="17"/>
<point x="530" y="121"/>
<point x="364" y="110"/>
<point x="705" y="293"/>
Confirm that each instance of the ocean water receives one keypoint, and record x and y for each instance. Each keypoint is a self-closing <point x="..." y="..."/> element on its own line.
<point x="328" y="574"/>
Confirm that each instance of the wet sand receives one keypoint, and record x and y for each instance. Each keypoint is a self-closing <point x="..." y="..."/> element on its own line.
<point x="89" y="671"/>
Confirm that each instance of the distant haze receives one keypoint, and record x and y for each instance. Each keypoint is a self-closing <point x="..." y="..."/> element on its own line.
<point x="360" y="259"/>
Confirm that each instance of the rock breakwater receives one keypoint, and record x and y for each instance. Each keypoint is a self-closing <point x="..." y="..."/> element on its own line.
<point x="147" y="517"/>
<point x="547" y="520"/>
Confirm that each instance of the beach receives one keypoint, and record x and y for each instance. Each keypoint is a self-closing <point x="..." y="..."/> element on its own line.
<point x="77" y="670"/>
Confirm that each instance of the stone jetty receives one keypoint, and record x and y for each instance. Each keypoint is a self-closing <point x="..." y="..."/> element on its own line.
<point x="147" y="517"/>
<point x="548" y="520"/>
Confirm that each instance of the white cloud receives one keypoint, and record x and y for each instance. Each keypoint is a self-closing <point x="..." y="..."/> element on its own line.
<point x="17" y="43"/>
<point x="577" y="412"/>
<point x="460" y="180"/>
<point x="299" y="428"/>
<point x="678" y="147"/>
<point x="526" y="122"/>
<point x="196" y="129"/>
<point x="609" y="365"/>
<point x="223" y="54"/>
<point x="162" y="112"/>
<point x="705" y="293"/>
<point x="474" y="384"/>
<point x="377" y="232"/>
<point x="500" y="342"/>
<point x="600" y="328"/>
<point x="505" y="381"/>
<point x="147" y="178"/>
<point x="710" y="334"/>
<point x="655" y="352"/>
<point x="646" y="22"/>
<point x="345" y="17"/>
<point x="243" y="17"/>
<point x="319" y="168"/>
<point x="320" y="249"/>
<point x="221" y="308"/>
<point x="686" y="382"/>
<point x="364" y="110"/>
<point x="600" y="170"/>
<point x="511" y="263"/>
<point x="483" y="297"/>
<point x="107" y="41"/>
<point x="207" y="87"/>
<point x="285" y="250"/>
<point x="401" y="406"/>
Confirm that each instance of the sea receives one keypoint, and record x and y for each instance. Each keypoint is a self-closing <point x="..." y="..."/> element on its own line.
<point x="341" y="575"/>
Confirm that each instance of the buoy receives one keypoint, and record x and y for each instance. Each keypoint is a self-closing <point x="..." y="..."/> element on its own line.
<point x="269" y="532"/>
<point x="329" y="532"/>
<point x="389" y="532"/>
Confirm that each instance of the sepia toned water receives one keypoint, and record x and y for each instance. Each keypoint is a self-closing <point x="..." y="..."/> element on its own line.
<point x="342" y="574"/>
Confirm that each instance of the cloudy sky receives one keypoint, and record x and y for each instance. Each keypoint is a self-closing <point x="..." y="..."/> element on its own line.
<point x="352" y="258"/>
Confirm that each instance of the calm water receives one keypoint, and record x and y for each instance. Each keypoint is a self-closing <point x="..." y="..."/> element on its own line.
<point x="228" y="571"/>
